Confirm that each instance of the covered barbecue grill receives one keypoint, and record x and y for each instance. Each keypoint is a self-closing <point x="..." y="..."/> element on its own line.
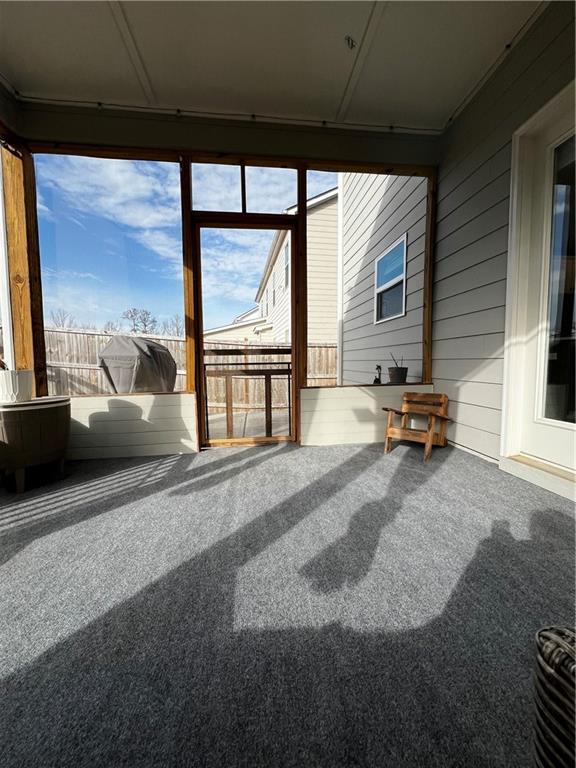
<point x="134" y="364"/>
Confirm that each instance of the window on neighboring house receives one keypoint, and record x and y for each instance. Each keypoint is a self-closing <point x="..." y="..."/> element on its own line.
<point x="390" y="282"/>
<point x="273" y="289"/>
<point x="286" y="266"/>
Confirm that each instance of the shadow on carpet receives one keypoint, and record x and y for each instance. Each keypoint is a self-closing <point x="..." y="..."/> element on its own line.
<point x="164" y="679"/>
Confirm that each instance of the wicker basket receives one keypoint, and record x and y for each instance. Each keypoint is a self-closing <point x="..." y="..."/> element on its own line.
<point x="554" y="698"/>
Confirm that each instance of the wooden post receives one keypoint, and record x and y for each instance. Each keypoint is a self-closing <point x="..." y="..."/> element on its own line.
<point x="189" y="297"/>
<point x="431" y="203"/>
<point x="24" y="264"/>
<point x="246" y="380"/>
<point x="197" y="340"/>
<point x="193" y="301"/>
<point x="300" y="300"/>
<point x="268" y="403"/>
<point x="229" y="406"/>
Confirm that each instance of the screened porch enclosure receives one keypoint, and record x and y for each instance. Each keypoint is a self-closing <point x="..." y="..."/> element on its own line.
<point x="232" y="573"/>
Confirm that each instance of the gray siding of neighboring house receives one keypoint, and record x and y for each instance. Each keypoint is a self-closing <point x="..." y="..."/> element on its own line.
<point x="376" y="211"/>
<point x="472" y="227"/>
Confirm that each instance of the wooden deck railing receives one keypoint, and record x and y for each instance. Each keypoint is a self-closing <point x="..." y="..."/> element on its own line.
<point x="248" y="370"/>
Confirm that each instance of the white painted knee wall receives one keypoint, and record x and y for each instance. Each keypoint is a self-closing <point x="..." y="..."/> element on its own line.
<point x="132" y="425"/>
<point x="339" y="415"/>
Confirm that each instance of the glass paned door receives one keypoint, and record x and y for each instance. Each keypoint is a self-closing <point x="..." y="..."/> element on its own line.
<point x="546" y="385"/>
<point x="560" y="371"/>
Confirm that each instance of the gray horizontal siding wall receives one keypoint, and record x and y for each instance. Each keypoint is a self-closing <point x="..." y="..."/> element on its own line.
<point x="376" y="211"/>
<point x="472" y="227"/>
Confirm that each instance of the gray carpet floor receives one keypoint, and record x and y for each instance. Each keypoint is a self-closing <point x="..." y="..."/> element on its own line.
<point x="277" y="606"/>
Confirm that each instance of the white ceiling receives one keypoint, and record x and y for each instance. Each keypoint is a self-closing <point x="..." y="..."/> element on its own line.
<point x="413" y="65"/>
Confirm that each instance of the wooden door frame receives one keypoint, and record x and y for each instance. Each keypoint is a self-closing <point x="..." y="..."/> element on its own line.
<point x="195" y="328"/>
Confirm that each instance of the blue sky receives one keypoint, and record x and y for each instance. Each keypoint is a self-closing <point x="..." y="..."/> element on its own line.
<point x="110" y="236"/>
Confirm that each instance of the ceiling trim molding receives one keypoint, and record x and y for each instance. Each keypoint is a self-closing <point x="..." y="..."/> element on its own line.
<point x="144" y="135"/>
<point x="132" y="50"/>
<point x="517" y="37"/>
<point x="370" y="30"/>
<point x="152" y="111"/>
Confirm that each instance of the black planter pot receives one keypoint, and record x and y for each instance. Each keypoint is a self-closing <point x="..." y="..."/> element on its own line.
<point x="397" y="375"/>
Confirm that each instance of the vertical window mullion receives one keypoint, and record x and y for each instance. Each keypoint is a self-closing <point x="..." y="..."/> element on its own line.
<point x="243" y="186"/>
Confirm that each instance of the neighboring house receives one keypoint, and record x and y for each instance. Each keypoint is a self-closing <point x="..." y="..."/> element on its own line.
<point x="273" y="294"/>
<point x="382" y="266"/>
<point x="249" y="327"/>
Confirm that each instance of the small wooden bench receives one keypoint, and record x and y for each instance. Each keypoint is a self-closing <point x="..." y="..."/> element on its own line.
<point x="433" y="406"/>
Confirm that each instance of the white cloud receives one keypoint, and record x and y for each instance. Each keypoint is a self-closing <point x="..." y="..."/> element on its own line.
<point x="163" y="244"/>
<point x="43" y="210"/>
<point x="135" y="194"/>
<point x="232" y="263"/>
<point x="321" y="181"/>
<point x="216" y="187"/>
<point x="216" y="287"/>
<point x="50" y="273"/>
<point x="144" y="198"/>
<point x="87" y="305"/>
<point x="77" y="222"/>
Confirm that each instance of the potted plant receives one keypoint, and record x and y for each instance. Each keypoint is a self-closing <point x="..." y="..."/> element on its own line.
<point x="15" y="386"/>
<point x="398" y="372"/>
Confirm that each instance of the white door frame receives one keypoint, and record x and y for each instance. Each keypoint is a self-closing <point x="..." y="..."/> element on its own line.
<point x="513" y="396"/>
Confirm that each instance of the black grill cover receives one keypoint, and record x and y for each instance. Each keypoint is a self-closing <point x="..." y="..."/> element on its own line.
<point x="134" y="364"/>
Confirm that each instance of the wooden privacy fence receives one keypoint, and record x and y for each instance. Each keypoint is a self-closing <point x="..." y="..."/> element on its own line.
<point x="72" y="364"/>
<point x="72" y="361"/>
